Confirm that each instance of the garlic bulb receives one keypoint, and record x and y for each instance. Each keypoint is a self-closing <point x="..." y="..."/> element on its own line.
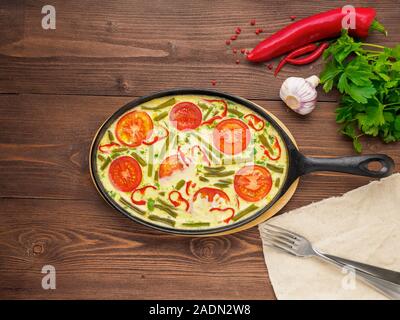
<point x="299" y="94"/>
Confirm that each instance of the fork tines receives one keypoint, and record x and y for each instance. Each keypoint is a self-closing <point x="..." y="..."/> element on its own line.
<point x="278" y="237"/>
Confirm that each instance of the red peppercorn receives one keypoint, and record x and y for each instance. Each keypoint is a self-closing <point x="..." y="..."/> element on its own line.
<point x="293" y="18"/>
<point x="269" y="66"/>
<point x="228" y="42"/>
<point x="234" y="37"/>
<point x="213" y="82"/>
<point x="260" y="30"/>
<point x="252" y="22"/>
<point x="237" y="61"/>
<point x="238" y="30"/>
<point x="243" y="50"/>
<point x="234" y="50"/>
<point x="247" y="51"/>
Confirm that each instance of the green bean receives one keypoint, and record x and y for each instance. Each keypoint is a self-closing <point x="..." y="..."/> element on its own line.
<point x="166" y="204"/>
<point x="166" y="210"/>
<point x="202" y="105"/>
<point x="207" y="114"/>
<point x="236" y="112"/>
<point x="156" y="176"/>
<point x="196" y="224"/>
<point x="214" y="169"/>
<point x="277" y="182"/>
<point x="110" y="136"/>
<point x="119" y="150"/>
<point x="100" y="157"/>
<point x="227" y="181"/>
<point x="114" y="155"/>
<point x="180" y="184"/>
<point x="219" y="174"/>
<point x="150" y="166"/>
<point x="170" y="222"/>
<point x="162" y="193"/>
<point x="221" y="185"/>
<point x="264" y="141"/>
<point x="161" y="116"/>
<point x="201" y="178"/>
<point x="105" y="164"/>
<point x="139" y="159"/>
<point x="131" y="206"/>
<point x="163" y="105"/>
<point x="275" y="168"/>
<point x="242" y="213"/>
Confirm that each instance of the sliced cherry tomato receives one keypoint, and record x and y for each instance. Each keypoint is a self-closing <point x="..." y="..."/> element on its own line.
<point x="125" y="173"/>
<point x="231" y="136"/>
<point x="252" y="183"/>
<point x="170" y="165"/>
<point x="133" y="128"/>
<point x="210" y="194"/>
<point x="185" y="116"/>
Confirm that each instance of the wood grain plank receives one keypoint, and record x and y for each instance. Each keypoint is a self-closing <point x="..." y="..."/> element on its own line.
<point x="45" y="140"/>
<point x="91" y="248"/>
<point x="117" y="48"/>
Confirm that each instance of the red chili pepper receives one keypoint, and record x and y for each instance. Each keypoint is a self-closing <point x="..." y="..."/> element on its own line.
<point x="157" y="138"/>
<point x="217" y="117"/>
<point x="294" y="54"/>
<point x="141" y="191"/>
<point x="277" y="146"/>
<point x="311" y="57"/>
<point x="205" y="157"/>
<point x="223" y="210"/>
<point x="257" y="120"/>
<point x="179" y="200"/>
<point x="324" y="25"/>
<point x="106" y="148"/>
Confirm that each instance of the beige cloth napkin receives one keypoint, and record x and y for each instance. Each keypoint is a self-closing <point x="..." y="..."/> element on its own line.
<point x="361" y="225"/>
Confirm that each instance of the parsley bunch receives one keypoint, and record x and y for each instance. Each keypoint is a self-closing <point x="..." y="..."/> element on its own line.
<point x="368" y="77"/>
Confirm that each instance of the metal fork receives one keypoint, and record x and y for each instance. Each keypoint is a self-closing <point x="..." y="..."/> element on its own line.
<point x="384" y="280"/>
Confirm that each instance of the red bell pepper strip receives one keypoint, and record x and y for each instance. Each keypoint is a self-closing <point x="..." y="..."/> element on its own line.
<point x="311" y="57"/>
<point x="255" y="121"/>
<point x="157" y="137"/>
<point x="188" y="185"/>
<point x="106" y="148"/>
<point x="141" y="191"/>
<point x="277" y="146"/>
<point x="294" y="54"/>
<point x="205" y="158"/>
<point x="324" y="25"/>
<point x="179" y="200"/>
<point x="223" y="210"/>
<point x="217" y="117"/>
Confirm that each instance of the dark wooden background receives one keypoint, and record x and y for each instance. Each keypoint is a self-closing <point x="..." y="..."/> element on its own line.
<point x="58" y="86"/>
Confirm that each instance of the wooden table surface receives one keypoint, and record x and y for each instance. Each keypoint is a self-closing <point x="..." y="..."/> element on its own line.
<point x="58" y="86"/>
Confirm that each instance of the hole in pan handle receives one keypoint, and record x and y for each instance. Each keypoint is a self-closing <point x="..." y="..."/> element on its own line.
<point x="364" y="165"/>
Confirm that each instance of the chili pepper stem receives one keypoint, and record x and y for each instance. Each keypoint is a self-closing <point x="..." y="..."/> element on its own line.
<point x="376" y="25"/>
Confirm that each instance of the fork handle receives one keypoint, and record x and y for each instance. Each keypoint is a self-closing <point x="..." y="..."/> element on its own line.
<point x="384" y="274"/>
<point x="389" y="289"/>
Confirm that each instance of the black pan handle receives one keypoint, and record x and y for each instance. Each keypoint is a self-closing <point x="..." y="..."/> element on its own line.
<point x="357" y="165"/>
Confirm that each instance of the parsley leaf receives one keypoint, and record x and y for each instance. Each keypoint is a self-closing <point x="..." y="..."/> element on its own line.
<point x="368" y="77"/>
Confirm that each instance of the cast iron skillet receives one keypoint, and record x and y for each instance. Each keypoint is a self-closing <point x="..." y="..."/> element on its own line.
<point x="298" y="164"/>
